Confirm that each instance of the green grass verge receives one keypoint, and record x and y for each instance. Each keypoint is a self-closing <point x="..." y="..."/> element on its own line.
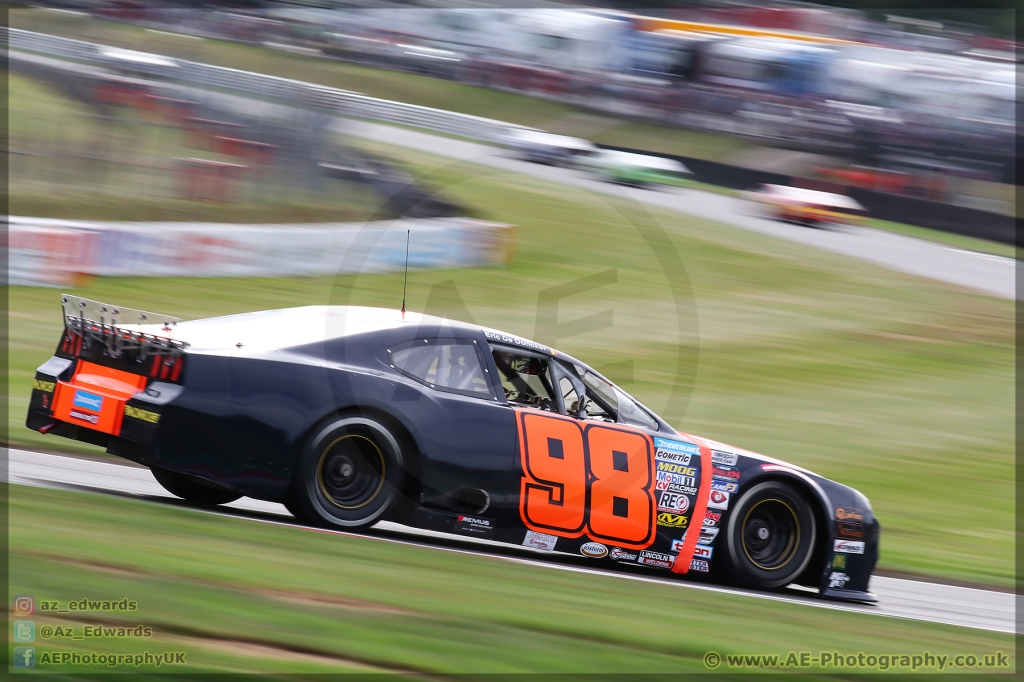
<point x="898" y="386"/>
<point x="236" y="595"/>
<point x="393" y="85"/>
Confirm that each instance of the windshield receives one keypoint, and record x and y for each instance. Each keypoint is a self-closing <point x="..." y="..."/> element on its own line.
<point x="610" y="400"/>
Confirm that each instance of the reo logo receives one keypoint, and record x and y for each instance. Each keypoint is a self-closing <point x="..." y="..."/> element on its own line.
<point x="88" y="401"/>
<point x="139" y="413"/>
<point x="44" y="386"/>
<point x="673" y="502"/>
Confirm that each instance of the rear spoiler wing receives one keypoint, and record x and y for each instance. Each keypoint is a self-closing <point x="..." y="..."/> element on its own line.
<point x="115" y="330"/>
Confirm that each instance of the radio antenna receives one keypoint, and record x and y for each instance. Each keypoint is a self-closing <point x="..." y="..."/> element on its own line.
<point x="405" y="282"/>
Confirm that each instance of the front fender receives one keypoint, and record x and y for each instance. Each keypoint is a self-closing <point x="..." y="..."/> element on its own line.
<point x="848" y="549"/>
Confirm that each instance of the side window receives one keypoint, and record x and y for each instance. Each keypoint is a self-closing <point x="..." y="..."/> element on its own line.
<point x="447" y="364"/>
<point x="525" y="379"/>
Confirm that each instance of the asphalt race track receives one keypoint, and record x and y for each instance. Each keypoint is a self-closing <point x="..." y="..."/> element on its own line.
<point x="981" y="272"/>
<point x="982" y="609"/>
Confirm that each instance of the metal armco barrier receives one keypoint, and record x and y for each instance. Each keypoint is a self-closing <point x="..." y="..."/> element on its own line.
<point x="342" y="102"/>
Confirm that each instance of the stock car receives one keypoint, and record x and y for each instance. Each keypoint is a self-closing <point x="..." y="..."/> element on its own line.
<point x="353" y="415"/>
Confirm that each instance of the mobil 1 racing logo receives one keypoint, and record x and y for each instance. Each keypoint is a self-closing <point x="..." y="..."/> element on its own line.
<point x="673" y="469"/>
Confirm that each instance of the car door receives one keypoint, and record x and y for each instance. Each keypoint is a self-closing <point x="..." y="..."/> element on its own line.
<point x="603" y="477"/>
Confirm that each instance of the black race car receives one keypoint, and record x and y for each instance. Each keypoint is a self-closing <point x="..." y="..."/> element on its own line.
<point x="352" y="415"/>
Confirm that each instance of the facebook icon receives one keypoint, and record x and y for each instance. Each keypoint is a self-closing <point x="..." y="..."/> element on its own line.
<point x="24" y="657"/>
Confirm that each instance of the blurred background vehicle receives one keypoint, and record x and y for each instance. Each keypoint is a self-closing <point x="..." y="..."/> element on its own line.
<point x="807" y="206"/>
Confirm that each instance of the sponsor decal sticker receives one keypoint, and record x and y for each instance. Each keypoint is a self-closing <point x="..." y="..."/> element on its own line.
<point x="724" y="458"/>
<point x="699" y="565"/>
<point x="711" y="518"/>
<point x="474" y="525"/>
<point x="594" y="550"/>
<point x="682" y="458"/>
<point x="725" y="473"/>
<point x="656" y="559"/>
<point x="621" y="554"/>
<point x="44" y="386"/>
<point x="852" y="531"/>
<point x="850" y="522"/>
<point x="850" y="514"/>
<point x="85" y="416"/>
<point x="141" y="414"/>
<point x="88" y="401"/>
<point x="707" y="536"/>
<point x="725" y="487"/>
<point x="839" y="561"/>
<point x="676" y="487"/>
<point x="673" y="502"/>
<point x="672" y="520"/>
<point x="718" y="499"/>
<point x="677" y="469"/>
<point x="676" y="446"/>
<point x="838" y="579"/>
<point x="848" y="546"/>
<point x="703" y="552"/>
<point x="540" y="541"/>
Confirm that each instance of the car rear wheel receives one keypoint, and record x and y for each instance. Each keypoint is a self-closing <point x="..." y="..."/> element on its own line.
<point x="350" y="475"/>
<point x="193" y="489"/>
<point x="770" y="536"/>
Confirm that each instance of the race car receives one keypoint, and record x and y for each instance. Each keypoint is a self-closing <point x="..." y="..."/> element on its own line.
<point x="638" y="170"/>
<point x="353" y="415"/>
<point x="807" y="206"/>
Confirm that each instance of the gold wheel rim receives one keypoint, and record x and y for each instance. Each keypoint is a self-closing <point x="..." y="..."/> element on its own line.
<point x="791" y="546"/>
<point x="320" y="473"/>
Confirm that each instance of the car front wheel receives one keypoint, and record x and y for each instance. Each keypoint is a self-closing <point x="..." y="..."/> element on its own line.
<point x="350" y="475"/>
<point x="770" y="536"/>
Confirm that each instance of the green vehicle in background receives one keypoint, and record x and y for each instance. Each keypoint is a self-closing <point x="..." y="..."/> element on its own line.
<point x="637" y="170"/>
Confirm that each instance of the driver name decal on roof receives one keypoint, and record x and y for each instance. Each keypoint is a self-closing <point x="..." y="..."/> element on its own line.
<point x="507" y="338"/>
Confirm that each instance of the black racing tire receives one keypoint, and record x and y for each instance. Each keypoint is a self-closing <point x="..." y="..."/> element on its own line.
<point x="350" y="475"/>
<point x="770" y="536"/>
<point x="192" y="488"/>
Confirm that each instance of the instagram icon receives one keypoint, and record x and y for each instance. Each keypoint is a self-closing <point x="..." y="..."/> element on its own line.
<point x="24" y="605"/>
